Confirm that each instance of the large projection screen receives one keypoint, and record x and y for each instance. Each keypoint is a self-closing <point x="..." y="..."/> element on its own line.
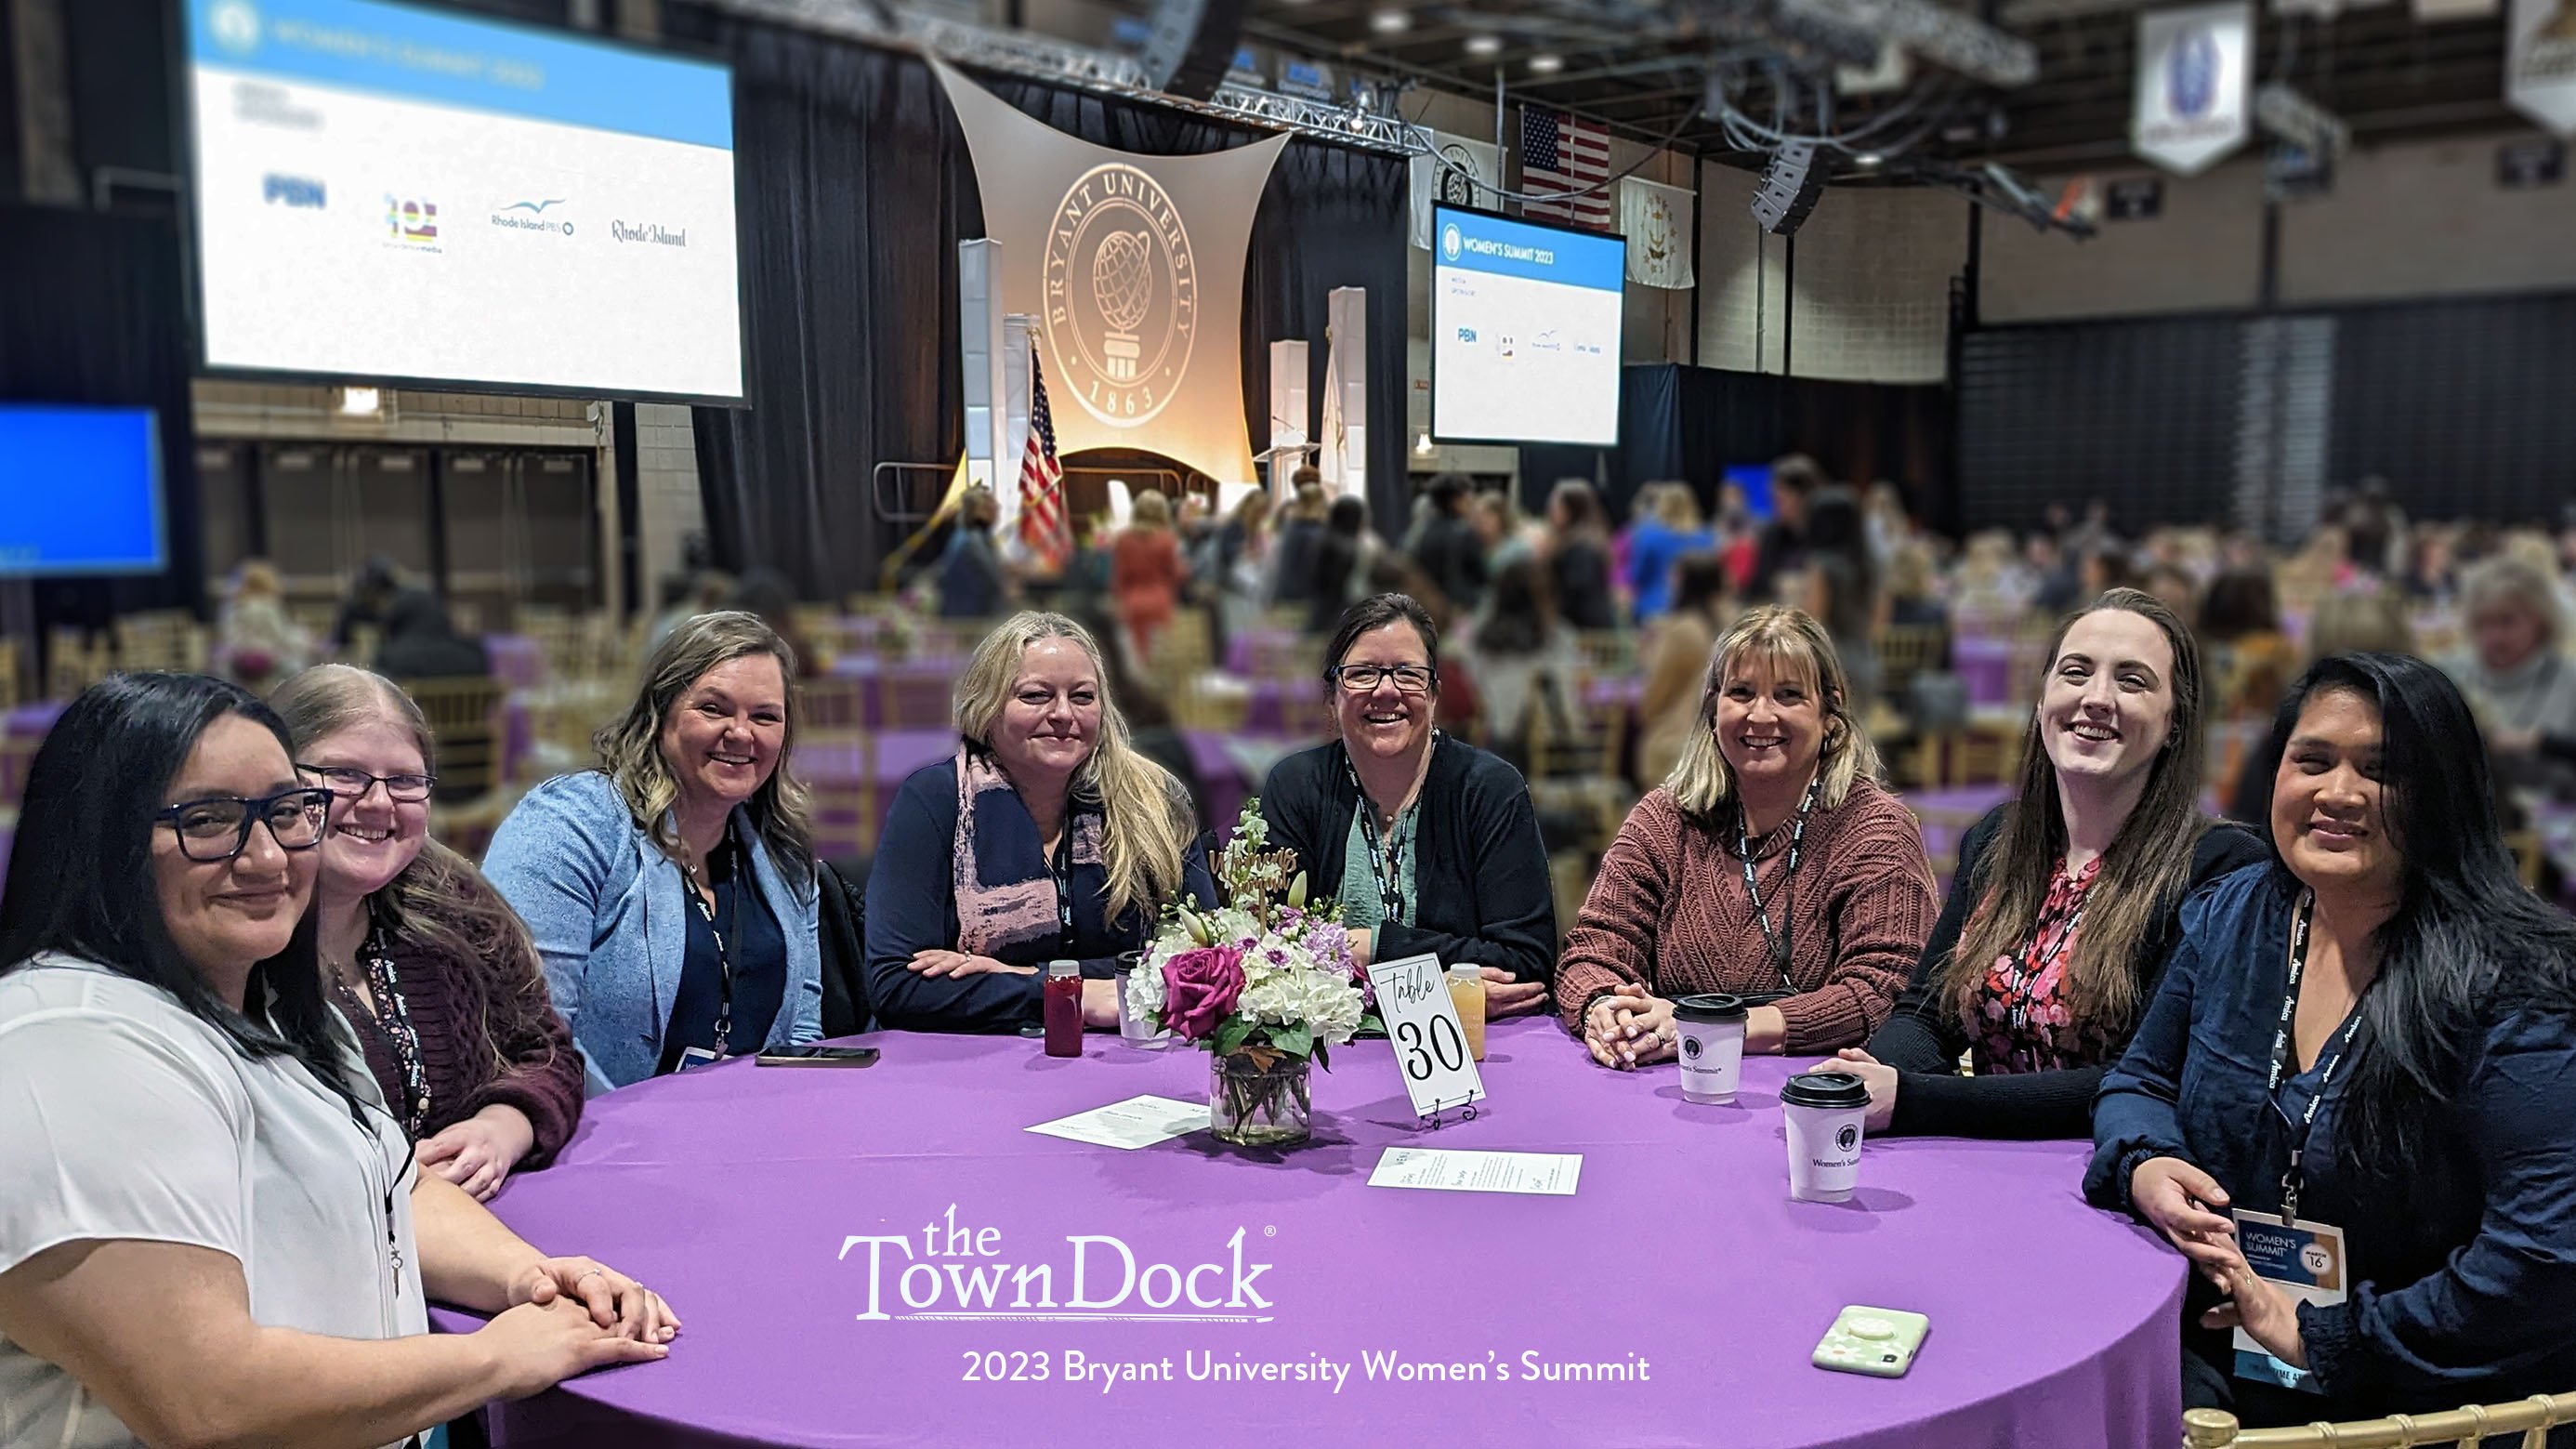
<point x="395" y="194"/>
<point x="1524" y="330"/>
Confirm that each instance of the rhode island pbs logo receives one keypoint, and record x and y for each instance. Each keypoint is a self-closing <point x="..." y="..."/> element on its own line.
<point x="1122" y="294"/>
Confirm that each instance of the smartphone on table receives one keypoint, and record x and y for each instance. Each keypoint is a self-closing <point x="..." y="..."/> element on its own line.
<point x="818" y="1056"/>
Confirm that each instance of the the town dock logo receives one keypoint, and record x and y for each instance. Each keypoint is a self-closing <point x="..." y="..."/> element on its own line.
<point x="947" y="1271"/>
<point x="1122" y="294"/>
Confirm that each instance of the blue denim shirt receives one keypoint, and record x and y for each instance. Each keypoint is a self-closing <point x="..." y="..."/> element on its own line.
<point x="610" y="916"/>
<point x="2464" y="1274"/>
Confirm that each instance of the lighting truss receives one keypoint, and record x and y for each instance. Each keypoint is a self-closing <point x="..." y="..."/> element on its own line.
<point x="1062" y="62"/>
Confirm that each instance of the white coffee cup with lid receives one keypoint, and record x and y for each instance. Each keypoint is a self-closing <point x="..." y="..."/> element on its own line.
<point x="1825" y="1112"/>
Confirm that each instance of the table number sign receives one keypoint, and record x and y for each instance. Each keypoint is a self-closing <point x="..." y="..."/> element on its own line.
<point x="1430" y="1045"/>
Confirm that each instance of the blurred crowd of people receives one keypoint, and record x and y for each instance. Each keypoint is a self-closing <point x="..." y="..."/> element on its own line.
<point x="1520" y="589"/>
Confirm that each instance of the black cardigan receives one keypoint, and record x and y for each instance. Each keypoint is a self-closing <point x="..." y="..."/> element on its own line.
<point x="1480" y="872"/>
<point x="1923" y="1039"/>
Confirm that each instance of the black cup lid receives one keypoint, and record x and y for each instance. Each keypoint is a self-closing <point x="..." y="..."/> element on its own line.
<point x="1709" y="1008"/>
<point x="1824" y="1089"/>
<point x="1130" y="960"/>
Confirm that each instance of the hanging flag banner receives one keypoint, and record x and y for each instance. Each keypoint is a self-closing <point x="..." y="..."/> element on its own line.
<point x="2194" y="68"/>
<point x="1657" y="220"/>
<point x="1133" y="266"/>
<point x="2540" y="63"/>
<point x="1468" y="179"/>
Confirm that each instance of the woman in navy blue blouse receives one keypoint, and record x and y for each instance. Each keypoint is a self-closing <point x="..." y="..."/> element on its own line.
<point x="2376" y="1030"/>
<point x="1046" y="836"/>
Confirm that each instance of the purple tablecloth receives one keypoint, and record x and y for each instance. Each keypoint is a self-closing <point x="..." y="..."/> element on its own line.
<point x="518" y="661"/>
<point x="1984" y="665"/>
<point x="748" y="1197"/>
<point x="917" y="689"/>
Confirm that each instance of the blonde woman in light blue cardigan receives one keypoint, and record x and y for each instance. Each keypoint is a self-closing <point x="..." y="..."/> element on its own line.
<point x="671" y="892"/>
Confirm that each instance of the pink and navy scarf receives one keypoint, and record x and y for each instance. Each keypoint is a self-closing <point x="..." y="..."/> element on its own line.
<point x="1005" y="886"/>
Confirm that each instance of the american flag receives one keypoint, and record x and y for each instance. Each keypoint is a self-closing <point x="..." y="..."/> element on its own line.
<point x="1563" y="153"/>
<point x="1042" y="523"/>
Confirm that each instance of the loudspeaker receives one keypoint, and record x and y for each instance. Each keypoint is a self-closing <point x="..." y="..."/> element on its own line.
<point x="1791" y="185"/>
<point x="1192" y="45"/>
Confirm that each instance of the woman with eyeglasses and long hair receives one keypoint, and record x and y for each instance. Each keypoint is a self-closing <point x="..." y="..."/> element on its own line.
<point x="211" y="1227"/>
<point x="429" y="965"/>
<point x="672" y="891"/>
<point x="2067" y="896"/>
<point x="2373" y="1032"/>
<point x="1430" y="844"/>
<point x="1771" y="865"/>
<point x="1047" y="836"/>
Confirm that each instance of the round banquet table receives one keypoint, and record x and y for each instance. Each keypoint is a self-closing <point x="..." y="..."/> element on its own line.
<point x="746" y="1196"/>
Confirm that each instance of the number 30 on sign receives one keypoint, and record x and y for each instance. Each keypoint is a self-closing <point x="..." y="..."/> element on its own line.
<point x="1422" y="1024"/>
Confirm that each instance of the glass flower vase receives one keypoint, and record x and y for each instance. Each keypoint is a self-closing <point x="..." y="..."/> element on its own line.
<point x="1259" y="1099"/>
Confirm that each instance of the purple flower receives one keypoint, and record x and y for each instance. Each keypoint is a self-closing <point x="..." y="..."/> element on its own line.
<point x="1199" y="990"/>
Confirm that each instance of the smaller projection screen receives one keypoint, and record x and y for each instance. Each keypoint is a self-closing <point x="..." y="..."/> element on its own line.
<point x="1524" y="331"/>
<point x="83" y="486"/>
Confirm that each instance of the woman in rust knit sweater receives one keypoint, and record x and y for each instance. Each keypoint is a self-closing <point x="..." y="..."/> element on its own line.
<point x="433" y="971"/>
<point x="1770" y="865"/>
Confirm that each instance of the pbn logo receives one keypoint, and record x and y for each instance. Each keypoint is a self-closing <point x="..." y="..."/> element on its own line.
<point x="296" y="191"/>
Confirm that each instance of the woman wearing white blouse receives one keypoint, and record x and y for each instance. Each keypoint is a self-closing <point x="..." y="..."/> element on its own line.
<point x="211" y="1231"/>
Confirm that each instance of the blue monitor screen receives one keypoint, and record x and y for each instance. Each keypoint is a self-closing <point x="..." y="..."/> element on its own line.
<point x="1755" y="480"/>
<point x="80" y="491"/>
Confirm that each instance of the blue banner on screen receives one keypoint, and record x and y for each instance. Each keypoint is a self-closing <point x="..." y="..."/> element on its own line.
<point x="1524" y="331"/>
<point x="80" y="491"/>
<point x="389" y="192"/>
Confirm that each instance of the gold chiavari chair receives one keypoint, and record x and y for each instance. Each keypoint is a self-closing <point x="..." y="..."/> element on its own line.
<point x="2469" y="1428"/>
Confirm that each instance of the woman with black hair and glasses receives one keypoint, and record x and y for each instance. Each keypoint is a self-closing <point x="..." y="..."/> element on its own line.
<point x="211" y="1229"/>
<point x="1429" y="843"/>
<point x="2368" y="1041"/>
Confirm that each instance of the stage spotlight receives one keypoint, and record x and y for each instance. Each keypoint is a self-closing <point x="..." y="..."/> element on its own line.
<point x="1390" y="21"/>
<point x="1484" y="45"/>
<point x="1546" y="62"/>
<point x="1422" y="445"/>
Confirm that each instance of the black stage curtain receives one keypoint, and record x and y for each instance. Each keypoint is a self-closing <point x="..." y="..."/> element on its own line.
<point x="855" y="189"/>
<point x="93" y="309"/>
<point x="1691" y="423"/>
<point x="853" y="186"/>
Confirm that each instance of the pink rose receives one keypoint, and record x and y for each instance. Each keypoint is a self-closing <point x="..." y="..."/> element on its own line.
<point x="1199" y="990"/>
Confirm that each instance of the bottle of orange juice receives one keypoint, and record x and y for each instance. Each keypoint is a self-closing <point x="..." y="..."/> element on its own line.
<point x="1467" y="994"/>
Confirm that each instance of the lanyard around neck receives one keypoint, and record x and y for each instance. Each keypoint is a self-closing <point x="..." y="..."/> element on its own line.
<point x="1386" y="860"/>
<point x="724" y="952"/>
<point x="2023" y="970"/>
<point x="2285" y="1051"/>
<point x="1061" y="867"/>
<point x="1779" y="942"/>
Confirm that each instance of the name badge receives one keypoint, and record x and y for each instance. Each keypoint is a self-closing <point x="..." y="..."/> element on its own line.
<point x="2306" y="1261"/>
<point x="694" y="1057"/>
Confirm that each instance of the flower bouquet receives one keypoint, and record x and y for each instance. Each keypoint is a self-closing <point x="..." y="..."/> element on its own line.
<point x="1266" y="982"/>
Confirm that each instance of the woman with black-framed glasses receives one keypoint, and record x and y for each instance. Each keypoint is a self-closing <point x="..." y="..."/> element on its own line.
<point x="211" y="1227"/>
<point x="1430" y="844"/>
<point x="429" y="965"/>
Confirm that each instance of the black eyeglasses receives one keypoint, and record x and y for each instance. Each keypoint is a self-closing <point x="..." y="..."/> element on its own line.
<point x="351" y="784"/>
<point x="1409" y="678"/>
<point x="218" y="826"/>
